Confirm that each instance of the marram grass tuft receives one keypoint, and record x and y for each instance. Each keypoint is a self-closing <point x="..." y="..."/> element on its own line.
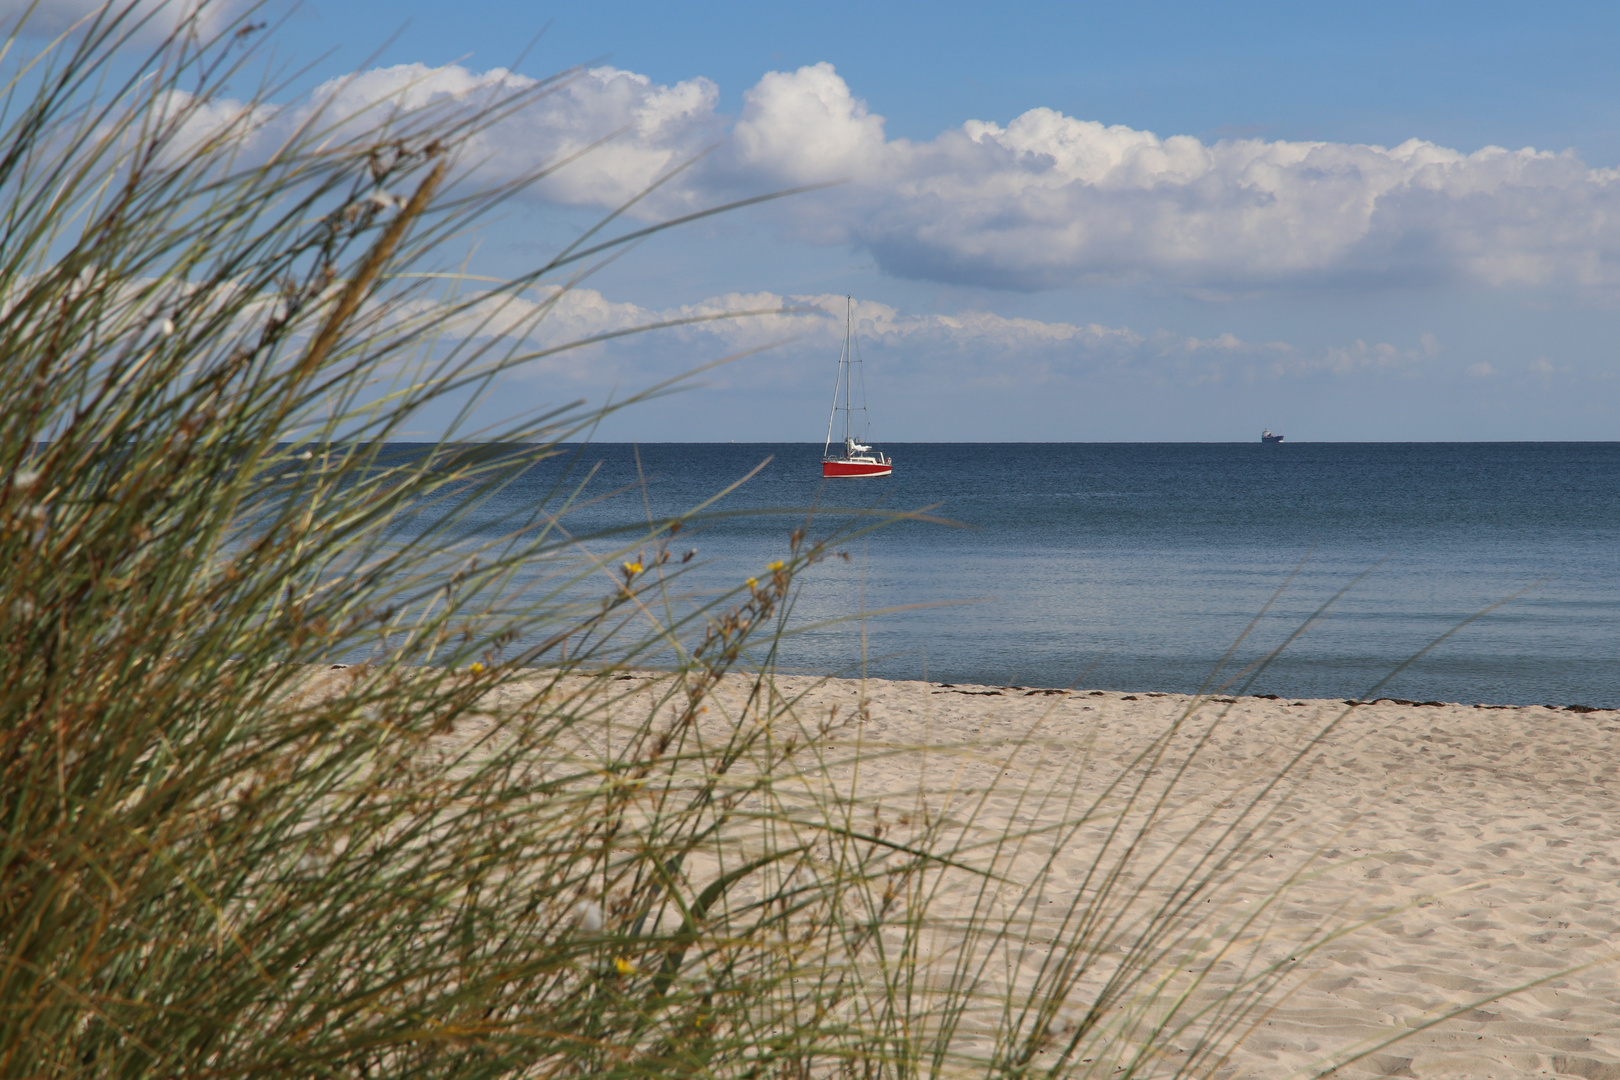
<point x="481" y="848"/>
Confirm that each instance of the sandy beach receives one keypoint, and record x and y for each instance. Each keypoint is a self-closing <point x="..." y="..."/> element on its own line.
<point x="1463" y="851"/>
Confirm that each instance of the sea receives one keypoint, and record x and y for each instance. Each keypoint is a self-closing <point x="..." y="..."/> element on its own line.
<point x="1459" y="572"/>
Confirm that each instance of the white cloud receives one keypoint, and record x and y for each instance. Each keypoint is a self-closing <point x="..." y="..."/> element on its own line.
<point x="1481" y="370"/>
<point x="806" y="127"/>
<point x="1378" y="356"/>
<point x="803" y="334"/>
<point x="1045" y="199"/>
<point x="649" y="129"/>
<point x="622" y="131"/>
<point x="550" y="316"/>
<point x="1048" y="200"/>
<point x="1541" y="366"/>
<point x="151" y="20"/>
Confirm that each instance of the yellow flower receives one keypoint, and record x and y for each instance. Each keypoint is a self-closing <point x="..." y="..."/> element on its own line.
<point x="475" y="667"/>
<point x="624" y="966"/>
<point x="751" y="582"/>
<point x="775" y="566"/>
<point x="631" y="569"/>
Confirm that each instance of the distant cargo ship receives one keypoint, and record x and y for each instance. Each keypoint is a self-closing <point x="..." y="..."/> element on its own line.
<point x="1267" y="436"/>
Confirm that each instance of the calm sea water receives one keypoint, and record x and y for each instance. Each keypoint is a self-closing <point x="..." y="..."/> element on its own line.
<point x="1139" y="566"/>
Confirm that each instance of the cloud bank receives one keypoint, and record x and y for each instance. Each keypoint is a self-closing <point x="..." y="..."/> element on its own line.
<point x="1042" y="201"/>
<point x="800" y="336"/>
<point x="1049" y="200"/>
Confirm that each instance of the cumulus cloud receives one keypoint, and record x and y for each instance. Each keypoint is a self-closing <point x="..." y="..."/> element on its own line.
<point x="644" y="130"/>
<point x="1045" y="199"/>
<point x="150" y="19"/>
<point x="806" y="127"/>
<point x="598" y="137"/>
<point x="1039" y="201"/>
<point x="1049" y="199"/>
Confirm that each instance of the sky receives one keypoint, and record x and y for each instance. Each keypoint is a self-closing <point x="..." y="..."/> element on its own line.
<point x="1077" y="222"/>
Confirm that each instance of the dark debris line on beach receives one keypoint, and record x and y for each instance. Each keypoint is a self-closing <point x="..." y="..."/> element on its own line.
<point x="951" y="688"/>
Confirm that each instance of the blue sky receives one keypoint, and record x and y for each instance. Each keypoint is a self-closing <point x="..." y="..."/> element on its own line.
<point x="1148" y="221"/>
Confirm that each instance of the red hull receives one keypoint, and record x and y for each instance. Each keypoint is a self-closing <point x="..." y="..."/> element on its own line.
<point x="856" y="468"/>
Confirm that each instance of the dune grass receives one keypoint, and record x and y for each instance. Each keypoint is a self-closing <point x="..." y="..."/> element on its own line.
<point x="496" y="847"/>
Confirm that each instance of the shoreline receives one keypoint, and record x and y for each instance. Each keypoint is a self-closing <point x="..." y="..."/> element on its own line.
<point x="1013" y="690"/>
<point x="990" y="689"/>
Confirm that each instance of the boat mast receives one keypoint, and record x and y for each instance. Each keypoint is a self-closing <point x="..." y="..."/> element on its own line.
<point x="849" y="371"/>
<point x="843" y="377"/>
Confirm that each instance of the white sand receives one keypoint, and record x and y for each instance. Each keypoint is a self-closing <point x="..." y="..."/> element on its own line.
<point x="1482" y="844"/>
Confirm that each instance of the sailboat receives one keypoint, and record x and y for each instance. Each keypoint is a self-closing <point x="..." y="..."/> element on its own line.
<point x="853" y="458"/>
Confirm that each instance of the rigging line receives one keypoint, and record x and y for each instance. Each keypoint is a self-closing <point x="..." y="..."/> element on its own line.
<point x="857" y="358"/>
<point x="848" y="370"/>
<point x="834" y="412"/>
